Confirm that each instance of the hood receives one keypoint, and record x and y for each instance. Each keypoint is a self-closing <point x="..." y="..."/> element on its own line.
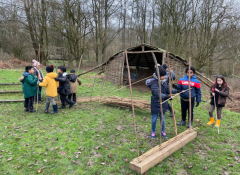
<point x="72" y="77"/>
<point x="64" y="74"/>
<point x="150" y="81"/>
<point x="193" y="77"/>
<point x="52" y="75"/>
<point x="25" y="74"/>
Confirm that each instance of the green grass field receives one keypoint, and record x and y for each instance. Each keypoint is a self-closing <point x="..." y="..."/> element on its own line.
<point x="93" y="138"/>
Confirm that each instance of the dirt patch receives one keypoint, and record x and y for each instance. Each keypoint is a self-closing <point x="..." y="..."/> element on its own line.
<point x="141" y="86"/>
<point x="16" y="63"/>
<point x="235" y="103"/>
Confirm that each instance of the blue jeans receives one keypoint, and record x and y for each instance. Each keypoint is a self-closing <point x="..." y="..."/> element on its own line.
<point x="154" y="121"/>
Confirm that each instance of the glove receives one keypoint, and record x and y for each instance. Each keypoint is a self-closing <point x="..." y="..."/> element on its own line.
<point x="38" y="82"/>
<point x="178" y="91"/>
<point x="197" y="104"/>
<point x="174" y="86"/>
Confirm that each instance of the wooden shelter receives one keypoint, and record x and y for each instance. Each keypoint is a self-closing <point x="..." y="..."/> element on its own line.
<point x="141" y="64"/>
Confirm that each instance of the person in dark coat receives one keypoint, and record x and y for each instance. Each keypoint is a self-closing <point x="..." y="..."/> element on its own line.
<point x="74" y="82"/>
<point x="183" y="84"/>
<point x="29" y="88"/>
<point x="173" y="77"/>
<point x="220" y="90"/>
<point x="64" y="87"/>
<point x="152" y="83"/>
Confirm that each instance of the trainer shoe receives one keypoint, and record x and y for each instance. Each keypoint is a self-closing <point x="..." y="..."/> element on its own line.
<point x="164" y="134"/>
<point x="153" y="135"/>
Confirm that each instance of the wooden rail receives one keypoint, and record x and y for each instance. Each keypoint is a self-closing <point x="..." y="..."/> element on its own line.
<point x="12" y="91"/>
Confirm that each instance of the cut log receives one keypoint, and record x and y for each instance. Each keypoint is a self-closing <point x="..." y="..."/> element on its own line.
<point x="3" y="101"/>
<point x="13" y="91"/>
<point x="10" y="84"/>
<point x="144" y="163"/>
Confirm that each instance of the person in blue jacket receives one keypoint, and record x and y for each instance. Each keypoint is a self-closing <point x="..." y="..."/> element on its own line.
<point x="173" y="77"/>
<point x="183" y="84"/>
<point x="152" y="83"/>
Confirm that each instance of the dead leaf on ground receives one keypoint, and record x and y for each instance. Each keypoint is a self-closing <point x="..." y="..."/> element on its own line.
<point x="103" y="163"/>
<point x="76" y="162"/>
<point x="170" y="159"/>
<point x="110" y="156"/>
<point x="97" y="147"/>
<point x="9" y="159"/>
<point x="77" y="156"/>
<point x="1" y="156"/>
<point x="190" y="166"/>
<point x="41" y="170"/>
<point x="226" y="173"/>
<point x="45" y="160"/>
<point x="89" y="164"/>
<point x="225" y="168"/>
<point x="205" y="168"/>
<point x="231" y="165"/>
<point x="126" y="160"/>
<point x="236" y="158"/>
<point x="118" y="128"/>
<point x="62" y="153"/>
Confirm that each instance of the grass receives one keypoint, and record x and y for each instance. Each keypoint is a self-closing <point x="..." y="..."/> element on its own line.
<point x="84" y="140"/>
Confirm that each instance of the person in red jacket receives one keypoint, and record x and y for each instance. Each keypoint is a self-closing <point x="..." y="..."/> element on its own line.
<point x="220" y="90"/>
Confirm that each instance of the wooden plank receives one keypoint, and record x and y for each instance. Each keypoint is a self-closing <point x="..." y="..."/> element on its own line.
<point x="158" y="156"/>
<point x="21" y="100"/>
<point x="13" y="91"/>
<point x="10" y="84"/>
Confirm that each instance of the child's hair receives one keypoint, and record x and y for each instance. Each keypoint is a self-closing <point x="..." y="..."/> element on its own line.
<point x="62" y="68"/>
<point x="27" y="68"/>
<point x="191" y="68"/>
<point x="223" y="79"/>
<point x="72" y="71"/>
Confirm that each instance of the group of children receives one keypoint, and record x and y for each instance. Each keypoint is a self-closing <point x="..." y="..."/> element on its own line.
<point x="219" y="91"/>
<point x="66" y="85"/>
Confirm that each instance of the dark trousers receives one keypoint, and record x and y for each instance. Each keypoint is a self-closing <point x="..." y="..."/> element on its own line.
<point x="64" y="100"/>
<point x="74" y="97"/>
<point x="39" y="94"/>
<point x="28" y="103"/>
<point x="185" y="108"/>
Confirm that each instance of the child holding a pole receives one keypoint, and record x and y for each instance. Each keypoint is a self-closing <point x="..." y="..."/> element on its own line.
<point x="29" y="88"/>
<point x="183" y="84"/>
<point x="51" y="88"/>
<point x="74" y="81"/>
<point x="219" y="92"/>
<point x="152" y="83"/>
<point x="64" y="87"/>
<point x="39" y="74"/>
<point x="173" y="77"/>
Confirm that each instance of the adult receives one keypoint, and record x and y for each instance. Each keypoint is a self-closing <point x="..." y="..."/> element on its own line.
<point x="39" y="74"/>
<point x="173" y="77"/>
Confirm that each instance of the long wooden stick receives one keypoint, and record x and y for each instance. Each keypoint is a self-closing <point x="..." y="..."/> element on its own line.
<point x="170" y="89"/>
<point x="39" y="54"/>
<point x="216" y="110"/>
<point x="190" y="99"/>
<point x="80" y="64"/>
<point x="176" y="95"/>
<point x="160" y="97"/>
<point x="130" y="87"/>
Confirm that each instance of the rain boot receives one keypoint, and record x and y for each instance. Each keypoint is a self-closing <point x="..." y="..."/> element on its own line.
<point x="32" y="110"/>
<point x="55" y="109"/>
<point x="211" y="121"/>
<point x="218" y="123"/>
<point x="47" y="106"/>
<point x="182" y="123"/>
<point x="191" y="124"/>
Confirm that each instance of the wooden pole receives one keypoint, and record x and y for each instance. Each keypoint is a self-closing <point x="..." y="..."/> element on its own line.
<point x="160" y="96"/>
<point x="130" y="87"/>
<point x="190" y="99"/>
<point x="170" y="89"/>
<point x="39" y="54"/>
<point x="216" y="110"/>
<point x="79" y="64"/>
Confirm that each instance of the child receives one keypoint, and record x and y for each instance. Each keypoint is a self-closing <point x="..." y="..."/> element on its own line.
<point x="29" y="88"/>
<point x="51" y="88"/>
<point x="39" y="74"/>
<point x="73" y="80"/>
<point x="220" y="90"/>
<point x="64" y="87"/>
<point x="183" y="84"/>
<point x="173" y="77"/>
<point x="152" y="83"/>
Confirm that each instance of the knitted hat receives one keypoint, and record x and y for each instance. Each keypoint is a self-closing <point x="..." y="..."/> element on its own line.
<point x="72" y="71"/>
<point x="62" y="68"/>
<point x="50" y="68"/>
<point x="165" y="66"/>
<point x="162" y="72"/>
<point x="35" y="63"/>
<point x="191" y="68"/>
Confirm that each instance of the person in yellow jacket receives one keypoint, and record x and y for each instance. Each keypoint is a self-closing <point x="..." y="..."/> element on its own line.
<point x="51" y="88"/>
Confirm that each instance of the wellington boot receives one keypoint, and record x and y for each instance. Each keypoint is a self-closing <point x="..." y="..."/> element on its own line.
<point x="218" y="123"/>
<point x="211" y="121"/>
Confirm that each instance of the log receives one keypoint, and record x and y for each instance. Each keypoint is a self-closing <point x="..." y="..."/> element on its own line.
<point x="12" y="91"/>
<point x="10" y="84"/>
<point x="21" y="100"/>
<point x="153" y="159"/>
<point x="91" y="69"/>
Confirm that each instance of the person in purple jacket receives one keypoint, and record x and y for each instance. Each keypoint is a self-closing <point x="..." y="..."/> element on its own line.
<point x="152" y="83"/>
<point x="183" y="84"/>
